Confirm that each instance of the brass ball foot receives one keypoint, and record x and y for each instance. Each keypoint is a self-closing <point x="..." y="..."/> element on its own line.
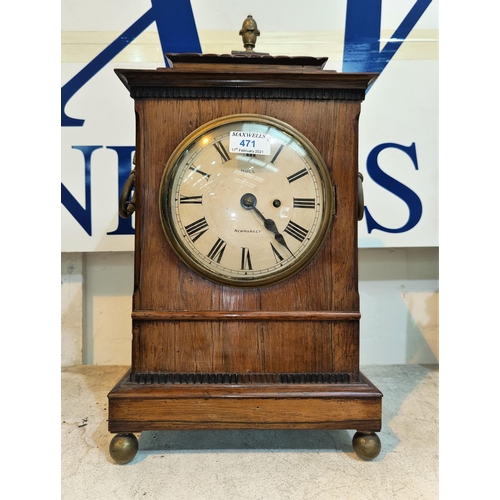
<point x="123" y="448"/>
<point x="366" y="445"/>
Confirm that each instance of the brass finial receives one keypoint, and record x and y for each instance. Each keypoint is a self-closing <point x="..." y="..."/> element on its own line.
<point x="249" y="33"/>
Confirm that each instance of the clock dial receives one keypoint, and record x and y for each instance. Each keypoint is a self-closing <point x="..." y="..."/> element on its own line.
<point x="245" y="200"/>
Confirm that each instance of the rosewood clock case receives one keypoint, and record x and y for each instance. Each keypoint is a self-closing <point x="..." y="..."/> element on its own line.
<point x="213" y="356"/>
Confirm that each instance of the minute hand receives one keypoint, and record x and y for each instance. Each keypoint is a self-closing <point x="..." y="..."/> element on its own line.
<point x="270" y="225"/>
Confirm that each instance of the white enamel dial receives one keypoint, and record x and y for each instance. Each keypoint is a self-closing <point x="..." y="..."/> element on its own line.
<point x="245" y="200"/>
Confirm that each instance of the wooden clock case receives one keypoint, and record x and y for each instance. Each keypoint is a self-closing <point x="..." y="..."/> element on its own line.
<point x="210" y="356"/>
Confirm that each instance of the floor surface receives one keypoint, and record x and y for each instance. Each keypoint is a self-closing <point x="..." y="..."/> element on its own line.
<point x="253" y="465"/>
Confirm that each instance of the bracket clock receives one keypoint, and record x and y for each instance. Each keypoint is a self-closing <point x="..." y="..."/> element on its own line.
<point x="247" y="196"/>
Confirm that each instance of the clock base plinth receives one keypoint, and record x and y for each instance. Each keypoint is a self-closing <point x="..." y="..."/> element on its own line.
<point x="136" y="406"/>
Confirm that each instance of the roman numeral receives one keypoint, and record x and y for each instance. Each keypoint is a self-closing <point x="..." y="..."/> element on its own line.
<point x="217" y="250"/>
<point x="296" y="231"/>
<point x="194" y="200"/>
<point x="222" y="151"/>
<point x="277" y="153"/>
<point x="246" y="263"/>
<point x="198" y="171"/>
<point x="303" y="203"/>
<point x="297" y="175"/>
<point x="277" y="256"/>
<point x="197" y="228"/>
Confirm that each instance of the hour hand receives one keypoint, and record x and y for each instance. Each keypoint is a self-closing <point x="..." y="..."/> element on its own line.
<point x="269" y="224"/>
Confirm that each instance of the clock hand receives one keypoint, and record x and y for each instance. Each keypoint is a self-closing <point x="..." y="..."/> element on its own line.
<point x="249" y="202"/>
<point x="269" y="224"/>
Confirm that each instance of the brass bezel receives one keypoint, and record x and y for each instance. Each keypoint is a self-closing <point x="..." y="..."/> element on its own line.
<point x="183" y="252"/>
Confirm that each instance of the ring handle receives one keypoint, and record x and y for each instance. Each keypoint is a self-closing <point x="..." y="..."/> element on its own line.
<point x="361" y="197"/>
<point x="126" y="206"/>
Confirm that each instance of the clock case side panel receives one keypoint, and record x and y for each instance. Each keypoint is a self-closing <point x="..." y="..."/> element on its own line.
<point x="136" y="303"/>
<point x="344" y="248"/>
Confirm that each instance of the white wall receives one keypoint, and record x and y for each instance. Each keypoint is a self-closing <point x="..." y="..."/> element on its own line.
<point x="399" y="294"/>
<point x="399" y="302"/>
<point x="72" y="304"/>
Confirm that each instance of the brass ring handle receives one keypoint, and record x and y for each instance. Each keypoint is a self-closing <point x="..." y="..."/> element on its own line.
<point x="361" y="197"/>
<point x="126" y="206"/>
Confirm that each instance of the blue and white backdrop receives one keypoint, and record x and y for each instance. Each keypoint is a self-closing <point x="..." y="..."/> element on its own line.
<point x="398" y="151"/>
